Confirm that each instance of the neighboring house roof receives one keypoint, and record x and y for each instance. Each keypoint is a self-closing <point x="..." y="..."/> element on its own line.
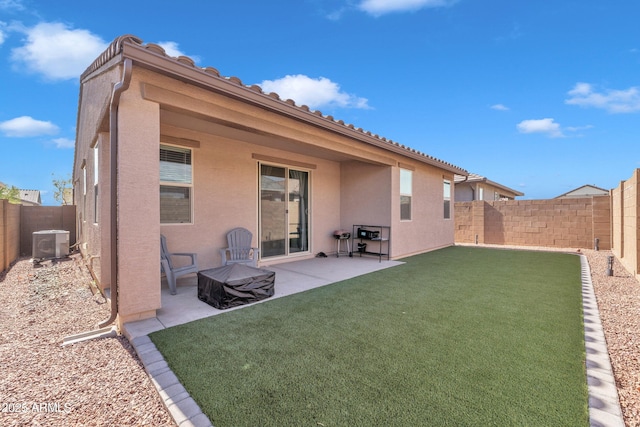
<point x="585" y="191"/>
<point x="154" y="57"/>
<point x="474" y="177"/>
<point x="31" y="197"/>
<point x="28" y="197"/>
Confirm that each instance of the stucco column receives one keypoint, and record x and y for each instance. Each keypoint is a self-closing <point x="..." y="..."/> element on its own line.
<point x="138" y="207"/>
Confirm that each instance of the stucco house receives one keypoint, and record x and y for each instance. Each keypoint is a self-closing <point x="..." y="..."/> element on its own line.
<point x="166" y="147"/>
<point x="30" y="197"/>
<point x="477" y="187"/>
<point x="584" y="191"/>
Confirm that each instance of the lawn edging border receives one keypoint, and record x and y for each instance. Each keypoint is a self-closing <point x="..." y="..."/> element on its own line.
<point x="604" y="405"/>
<point x="181" y="406"/>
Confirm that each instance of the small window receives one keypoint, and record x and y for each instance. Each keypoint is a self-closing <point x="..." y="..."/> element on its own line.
<point x="405" y="194"/>
<point x="84" y="179"/>
<point x="176" y="185"/>
<point x="447" y="199"/>
<point x="96" y="167"/>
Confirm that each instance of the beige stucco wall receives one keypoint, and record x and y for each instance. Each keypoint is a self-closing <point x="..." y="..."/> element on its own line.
<point x="427" y="229"/>
<point x="138" y="202"/>
<point x="101" y="229"/>
<point x="365" y="196"/>
<point x="226" y="196"/>
<point x="95" y="230"/>
<point x="93" y="128"/>
<point x="371" y="195"/>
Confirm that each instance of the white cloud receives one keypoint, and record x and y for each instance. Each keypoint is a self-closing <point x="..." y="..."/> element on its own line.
<point x="11" y="5"/>
<point x="613" y="101"/>
<point x="315" y="93"/>
<point x="26" y="126"/>
<point x="500" y="107"/>
<point x="336" y="15"/>
<point x="172" y="49"/>
<point x="64" y="143"/>
<point x="57" y="52"/>
<point x="545" y="126"/>
<point x="381" y="7"/>
<point x="578" y="128"/>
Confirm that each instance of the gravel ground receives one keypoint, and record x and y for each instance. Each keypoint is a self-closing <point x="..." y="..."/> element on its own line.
<point x="618" y="299"/>
<point x="94" y="383"/>
<point x="102" y="382"/>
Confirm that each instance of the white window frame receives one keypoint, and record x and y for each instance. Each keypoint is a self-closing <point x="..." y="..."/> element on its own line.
<point x="406" y="191"/>
<point x="446" y="188"/>
<point x="178" y="184"/>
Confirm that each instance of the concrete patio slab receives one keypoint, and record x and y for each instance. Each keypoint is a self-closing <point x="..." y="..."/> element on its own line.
<point x="291" y="277"/>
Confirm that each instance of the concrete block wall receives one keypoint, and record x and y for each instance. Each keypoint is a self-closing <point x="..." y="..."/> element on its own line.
<point x="18" y="222"/>
<point x="36" y="218"/>
<point x="464" y="222"/>
<point x="9" y="233"/>
<point x="625" y="211"/>
<point x="602" y="221"/>
<point x="560" y="223"/>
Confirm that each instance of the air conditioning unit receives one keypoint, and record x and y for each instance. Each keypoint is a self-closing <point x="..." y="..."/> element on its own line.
<point x="50" y="244"/>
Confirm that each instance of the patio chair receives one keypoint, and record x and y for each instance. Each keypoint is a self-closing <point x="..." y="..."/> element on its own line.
<point x="170" y="270"/>
<point x="239" y="250"/>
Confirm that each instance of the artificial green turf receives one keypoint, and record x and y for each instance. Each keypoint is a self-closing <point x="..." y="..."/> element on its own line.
<point x="461" y="336"/>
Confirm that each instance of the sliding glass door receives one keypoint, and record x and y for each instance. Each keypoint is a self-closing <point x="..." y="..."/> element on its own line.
<point x="284" y="211"/>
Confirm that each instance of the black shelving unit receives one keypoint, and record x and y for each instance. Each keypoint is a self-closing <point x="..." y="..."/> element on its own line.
<point x="371" y="235"/>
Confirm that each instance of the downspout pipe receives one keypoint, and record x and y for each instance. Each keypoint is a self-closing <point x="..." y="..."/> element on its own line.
<point x="118" y="88"/>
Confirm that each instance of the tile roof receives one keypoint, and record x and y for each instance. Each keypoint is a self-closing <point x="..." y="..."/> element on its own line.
<point x="117" y="46"/>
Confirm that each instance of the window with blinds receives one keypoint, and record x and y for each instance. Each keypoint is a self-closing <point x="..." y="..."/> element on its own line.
<point x="176" y="185"/>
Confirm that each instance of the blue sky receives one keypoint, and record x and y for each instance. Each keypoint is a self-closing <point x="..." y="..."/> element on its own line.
<point x="540" y="96"/>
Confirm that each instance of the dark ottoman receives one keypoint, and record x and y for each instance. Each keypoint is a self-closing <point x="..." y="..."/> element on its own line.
<point x="234" y="285"/>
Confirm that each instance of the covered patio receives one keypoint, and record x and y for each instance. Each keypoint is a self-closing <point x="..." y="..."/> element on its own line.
<point x="291" y="277"/>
